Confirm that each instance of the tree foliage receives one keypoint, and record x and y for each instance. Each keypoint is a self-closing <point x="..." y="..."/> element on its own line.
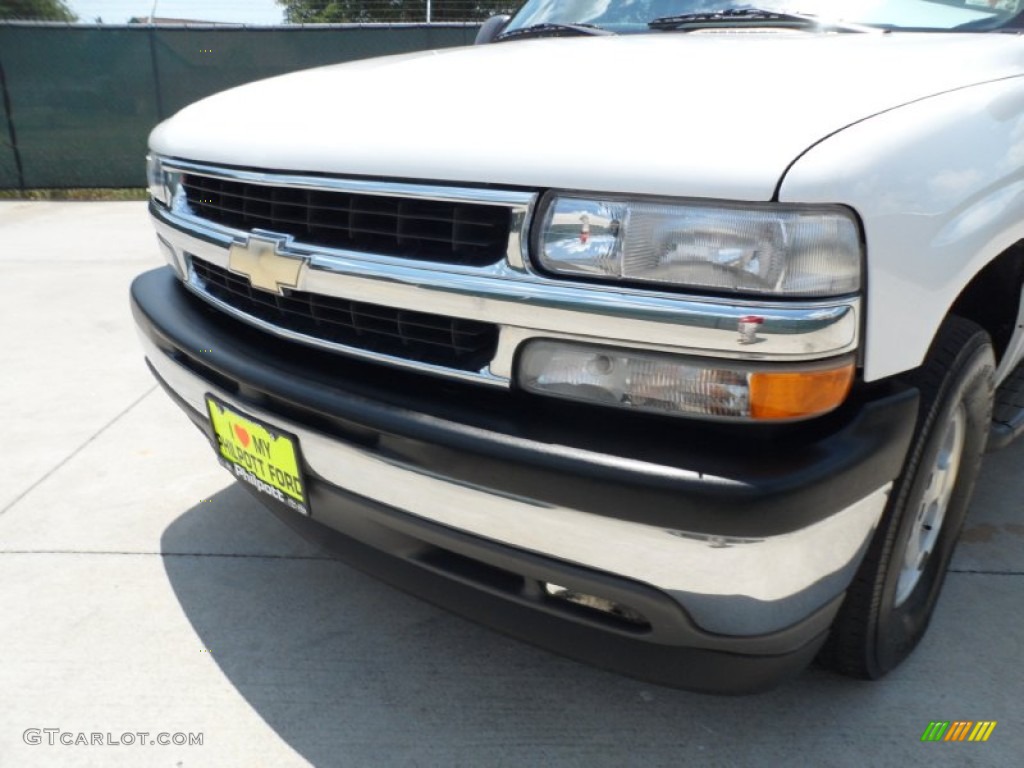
<point x="389" y="11"/>
<point x="36" y="10"/>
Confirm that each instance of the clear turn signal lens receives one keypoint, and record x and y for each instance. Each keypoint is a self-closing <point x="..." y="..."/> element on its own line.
<point x="664" y="383"/>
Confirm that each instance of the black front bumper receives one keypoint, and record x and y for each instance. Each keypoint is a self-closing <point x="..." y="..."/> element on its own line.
<point x="655" y="472"/>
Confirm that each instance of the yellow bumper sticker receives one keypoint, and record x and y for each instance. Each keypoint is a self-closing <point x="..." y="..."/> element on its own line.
<point x="254" y="454"/>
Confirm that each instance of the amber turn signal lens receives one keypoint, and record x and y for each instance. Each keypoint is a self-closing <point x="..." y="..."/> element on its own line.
<point x="794" y="395"/>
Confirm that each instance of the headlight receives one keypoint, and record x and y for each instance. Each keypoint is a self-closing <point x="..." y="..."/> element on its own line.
<point x="765" y="249"/>
<point x="158" y="180"/>
<point x="681" y="386"/>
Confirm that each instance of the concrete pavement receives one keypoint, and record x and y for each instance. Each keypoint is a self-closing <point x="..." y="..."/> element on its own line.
<point x="142" y="591"/>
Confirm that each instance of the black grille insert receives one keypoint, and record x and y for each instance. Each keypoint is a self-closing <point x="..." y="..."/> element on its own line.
<point x="455" y="233"/>
<point x="435" y="339"/>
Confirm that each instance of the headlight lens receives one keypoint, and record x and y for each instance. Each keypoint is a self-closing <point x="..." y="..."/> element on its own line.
<point x="774" y="250"/>
<point x="158" y="180"/>
<point x="665" y="383"/>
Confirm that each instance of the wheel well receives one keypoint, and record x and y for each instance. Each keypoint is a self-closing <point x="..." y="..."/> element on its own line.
<point x="992" y="298"/>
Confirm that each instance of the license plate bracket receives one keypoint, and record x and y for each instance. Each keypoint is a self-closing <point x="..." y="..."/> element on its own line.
<point x="265" y="457"/>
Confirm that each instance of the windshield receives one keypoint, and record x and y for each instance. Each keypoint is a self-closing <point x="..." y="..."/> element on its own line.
<point x="626" y="16"/>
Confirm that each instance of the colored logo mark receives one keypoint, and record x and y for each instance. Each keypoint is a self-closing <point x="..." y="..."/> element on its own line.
<point x="958" y="730"/>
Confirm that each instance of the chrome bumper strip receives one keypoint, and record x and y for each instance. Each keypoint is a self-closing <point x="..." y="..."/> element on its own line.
<point x="732" y="586"/>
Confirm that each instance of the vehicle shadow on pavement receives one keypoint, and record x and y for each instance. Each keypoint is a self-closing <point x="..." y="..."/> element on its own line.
<point x="349" y="671"/>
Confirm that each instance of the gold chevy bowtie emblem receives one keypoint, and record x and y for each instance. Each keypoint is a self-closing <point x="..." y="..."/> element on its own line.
<point x="266" y="269"/>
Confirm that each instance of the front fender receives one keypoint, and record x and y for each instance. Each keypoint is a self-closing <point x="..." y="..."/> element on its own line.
<point x="939" y="186"/>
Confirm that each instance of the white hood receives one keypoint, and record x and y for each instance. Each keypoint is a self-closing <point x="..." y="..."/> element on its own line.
<point x="705" y="115"/>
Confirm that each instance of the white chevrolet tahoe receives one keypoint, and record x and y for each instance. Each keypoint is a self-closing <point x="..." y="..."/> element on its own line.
<point x="665" y="334"/>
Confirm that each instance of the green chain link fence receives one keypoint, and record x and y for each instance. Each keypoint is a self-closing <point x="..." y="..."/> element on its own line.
<point x="79" y="101"/>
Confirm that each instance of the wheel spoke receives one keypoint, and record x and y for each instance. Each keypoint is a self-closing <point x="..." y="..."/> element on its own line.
<point x="931" y="511"/>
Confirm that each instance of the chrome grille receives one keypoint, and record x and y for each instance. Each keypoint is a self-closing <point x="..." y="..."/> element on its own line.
<point x="430" y="230"/>
<point x="434" y="339"/>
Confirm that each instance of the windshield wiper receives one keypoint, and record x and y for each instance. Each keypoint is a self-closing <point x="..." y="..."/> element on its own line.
<point x="738" y="16"/>
<point x="550" y="29"/>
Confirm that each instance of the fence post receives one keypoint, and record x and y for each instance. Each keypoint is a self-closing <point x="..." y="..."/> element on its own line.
<point x="156" y="73"/>
<point x="10" y="130"/>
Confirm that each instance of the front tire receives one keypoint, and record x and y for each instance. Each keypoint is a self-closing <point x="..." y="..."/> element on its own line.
<point x="891" y="600"/>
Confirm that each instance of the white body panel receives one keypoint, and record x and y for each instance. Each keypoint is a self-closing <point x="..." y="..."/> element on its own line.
<point x="940" y="188"/>
<point x="715" y="116"/>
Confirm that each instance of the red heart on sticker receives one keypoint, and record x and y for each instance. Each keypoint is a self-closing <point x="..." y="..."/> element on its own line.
<point x="242" y="435"/>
